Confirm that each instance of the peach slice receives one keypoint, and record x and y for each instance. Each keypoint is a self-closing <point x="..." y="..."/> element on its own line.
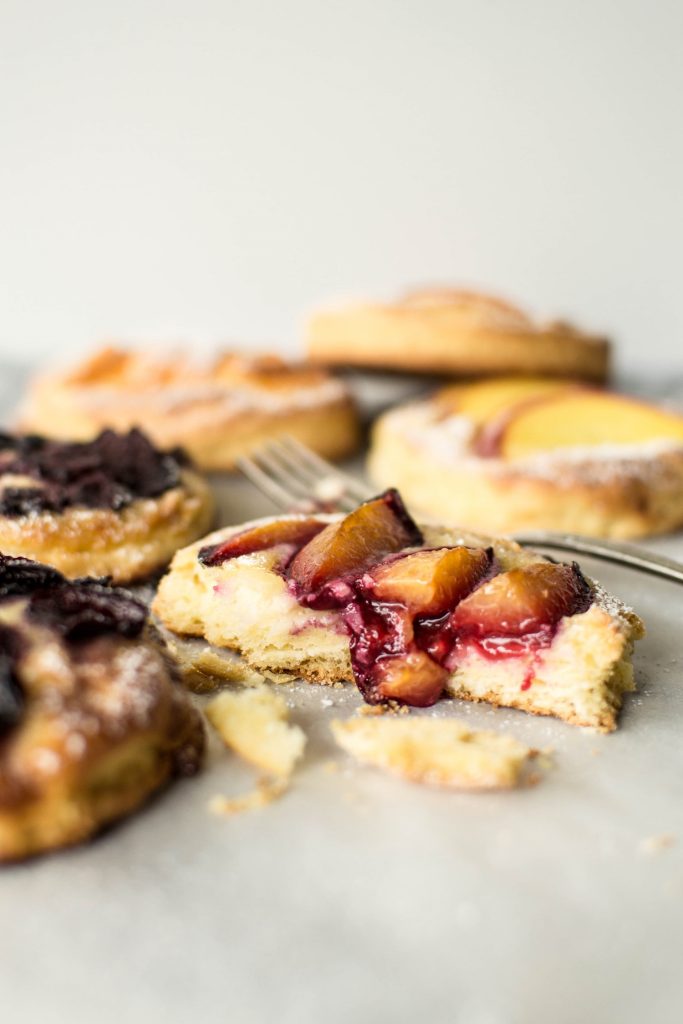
<point x="523" y="601"/>
<point x="431" y="581"/>
<point x="585" y="418"/>
<point x="485" y="400"/>
<point x="259" y="538"/>
<point x="345" y="549"/>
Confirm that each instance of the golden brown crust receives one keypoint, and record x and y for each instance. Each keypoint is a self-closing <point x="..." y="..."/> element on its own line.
<point x="127" y="544"/>
<point x="457" y="332"/>
<point x="217" y="412"/>
<point x="105" y="725"/>
<point x="618" y="496"/>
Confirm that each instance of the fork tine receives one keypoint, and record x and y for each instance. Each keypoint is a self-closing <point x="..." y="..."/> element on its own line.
<point x="317" y="466"/>
<point x="264" y="483"/>
<point x="270" y="462"/>
<point x="296" y="479"/>
<point x="306" y="482"/>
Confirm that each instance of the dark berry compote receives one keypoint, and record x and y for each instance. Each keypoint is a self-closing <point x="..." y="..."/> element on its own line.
<point x="110" y="472"/>
<point x="77" y="610"/>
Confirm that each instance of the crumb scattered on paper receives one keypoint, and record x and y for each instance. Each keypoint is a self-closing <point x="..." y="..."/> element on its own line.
<point x="254" y="723"/>
<point x="267" y="790"/>
<point x="435" y="751"/>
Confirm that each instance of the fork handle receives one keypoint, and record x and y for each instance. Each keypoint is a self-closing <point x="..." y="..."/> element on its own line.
<point x="608" y="551"/>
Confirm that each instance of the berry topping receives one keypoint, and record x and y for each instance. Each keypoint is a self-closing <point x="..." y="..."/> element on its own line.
<point x="523" y="601"/>
<point x="19" y="576"/>
<point x="11" y="693"/>
<point x="296" y="532"/>
<point x="111" y="471"/>
<point x="76" y="609"/>
<point x="346" y="549"/>
<point x="81" y="610"/>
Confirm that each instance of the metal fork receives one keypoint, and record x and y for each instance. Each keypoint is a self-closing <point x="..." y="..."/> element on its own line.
<point x="297" y="480"/>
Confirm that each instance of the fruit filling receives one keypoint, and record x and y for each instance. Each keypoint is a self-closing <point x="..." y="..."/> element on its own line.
<point x="412" y="612"/>
<point x="76" y="609"/>
<point x="111" y="471"/>
<point x="11" y="691"/>
<point x="322" y="574"/>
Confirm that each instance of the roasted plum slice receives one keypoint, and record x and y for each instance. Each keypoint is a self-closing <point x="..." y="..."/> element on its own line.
<point x="259" y="538"/>
<point x="387" y="665"/>
<point x="344" y="550"/>
<point x="428" y="582"/>
<point x="522" y="601"/>
<point x="412" y="678"/>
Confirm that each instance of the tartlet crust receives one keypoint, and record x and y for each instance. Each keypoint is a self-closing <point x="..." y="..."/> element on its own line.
<point x="217" y="412"/>
<point x="127" y="544"/>
<point x="455" y="332"/>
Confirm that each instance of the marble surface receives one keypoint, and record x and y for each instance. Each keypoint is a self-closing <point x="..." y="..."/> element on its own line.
<point x="360" y="897"/>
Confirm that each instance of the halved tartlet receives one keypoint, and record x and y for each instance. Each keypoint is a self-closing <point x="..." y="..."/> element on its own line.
<point x="410" y="613"/>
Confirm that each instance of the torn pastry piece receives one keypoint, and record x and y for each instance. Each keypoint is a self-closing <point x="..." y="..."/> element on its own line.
<point x="454" y="331"/>
<point x="93" y="718"/>
<point x="514" y="454"/>
<point x="217" y="410"/>
<point x="254" y="723"/>
<point x="435" y="751"/>
<point x="409" y="612"/>
<point x="115" y="506"/>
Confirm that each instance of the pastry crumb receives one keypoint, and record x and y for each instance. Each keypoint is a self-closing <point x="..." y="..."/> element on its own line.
<point x="267" y="790"/>
<point x="656" y="844"/>
<point x="254" y="723"/>
<point x="435" y="751"/>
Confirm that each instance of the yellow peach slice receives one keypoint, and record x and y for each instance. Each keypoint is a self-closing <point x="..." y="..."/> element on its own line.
<point x="483" y="401"/>
<point x="585" y="418"/>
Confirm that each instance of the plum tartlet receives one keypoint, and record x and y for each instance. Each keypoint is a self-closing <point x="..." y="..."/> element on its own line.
<point x="115" y="506"/>
<point x="514" y="454"/>
<point x="93" y="719"/>
<point x="409" y="612"/>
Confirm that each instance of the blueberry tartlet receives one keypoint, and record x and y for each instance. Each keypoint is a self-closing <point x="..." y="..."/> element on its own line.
<point x="115" y="506"/>
<point x="93" y="719"/>
<point x="410" y="613"/>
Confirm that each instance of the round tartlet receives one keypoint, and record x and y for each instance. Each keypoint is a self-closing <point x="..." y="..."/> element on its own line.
<point x="218" y="411"/>
<point x="115" y="506"/>
<point x="93" y="719"/>
<point x="511" y="455"/>
<point x="454" y="331"/>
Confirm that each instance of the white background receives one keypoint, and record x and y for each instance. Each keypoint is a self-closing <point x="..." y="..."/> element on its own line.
<point x="211" y="170"/>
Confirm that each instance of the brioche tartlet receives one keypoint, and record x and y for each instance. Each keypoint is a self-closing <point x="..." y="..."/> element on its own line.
<point x="115" y="506"/>
<point x="93" y="719"/>
<point x="454" y="331"/>
<point x="513" y="454"/>
<point x="218" y="410"/>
